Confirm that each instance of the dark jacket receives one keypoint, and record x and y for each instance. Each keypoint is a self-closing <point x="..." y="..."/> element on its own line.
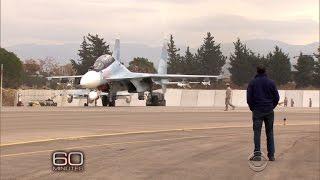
<point x="262" y="94"/>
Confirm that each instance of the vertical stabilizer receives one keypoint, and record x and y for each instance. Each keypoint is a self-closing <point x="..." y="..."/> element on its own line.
<point x="162" y="65"/>
<point x="116" y="51"/>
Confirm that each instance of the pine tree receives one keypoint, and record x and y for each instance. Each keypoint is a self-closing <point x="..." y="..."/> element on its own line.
<point x="12" y="69"/>
<point x="305" y="67"/>
<point x="89" y="52"/>
<point x="243" y="64"/>
<point x="174" y="58"/>
<point x="85" y="60"/>
<point x="189" y="63"/>
<point x="279" y="67"/>
<point x="210" y="57"/>
<point x="97" y="46"/>
<point x="142" y="65"/>
<point x="316" y="73"/>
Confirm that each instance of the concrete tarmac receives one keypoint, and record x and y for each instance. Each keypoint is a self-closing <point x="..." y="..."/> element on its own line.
<point x="155" y="143"/>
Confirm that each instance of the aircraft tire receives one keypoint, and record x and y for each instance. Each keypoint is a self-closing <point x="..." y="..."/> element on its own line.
<point x="112" y="103"/>
<point x="163" y="103"/>
<point x="105" y="100"/>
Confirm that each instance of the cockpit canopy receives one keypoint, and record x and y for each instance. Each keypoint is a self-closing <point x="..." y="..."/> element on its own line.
<point x="103" y="62"/>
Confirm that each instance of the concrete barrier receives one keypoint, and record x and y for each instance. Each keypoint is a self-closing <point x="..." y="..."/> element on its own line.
<point x="173" y="97"/>
<point x="189" y="98"/>
<point x="219" y="98"/>
<point x="206" y="98"/>
<point x="282" y="94"/>
<point x="177" y="97"/>
<point x="37" y="95"/>
<point x="239" y="98"/>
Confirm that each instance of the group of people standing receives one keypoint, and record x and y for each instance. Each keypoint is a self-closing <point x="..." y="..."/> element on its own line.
<point x="285" y="102"/>
<point x="229" y="94"/>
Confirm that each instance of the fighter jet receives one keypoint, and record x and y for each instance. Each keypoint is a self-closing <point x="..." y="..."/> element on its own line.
<point x="108" y="77"/>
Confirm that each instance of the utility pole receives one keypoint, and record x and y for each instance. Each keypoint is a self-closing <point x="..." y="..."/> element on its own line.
<point x="1" y="87"/>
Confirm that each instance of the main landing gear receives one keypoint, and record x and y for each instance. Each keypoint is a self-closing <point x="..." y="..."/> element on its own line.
<point x="155" y="99"/>
<point x="108" y="100"/>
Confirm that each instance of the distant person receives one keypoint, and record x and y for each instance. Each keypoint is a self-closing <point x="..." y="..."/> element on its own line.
<point x="262" y="98"/>
<point x="292" y="102"/>
<point x="19" y="100"/>
<point x="310" y="102"/>
<point x="228" y="97"/>
<point x="285" y="102"/>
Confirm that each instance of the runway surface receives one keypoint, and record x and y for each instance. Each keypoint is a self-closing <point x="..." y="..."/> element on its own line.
<point x="155" y="143"/>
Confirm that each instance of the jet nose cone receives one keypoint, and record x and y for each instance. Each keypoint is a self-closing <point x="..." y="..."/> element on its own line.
<point x="91" y="79"/>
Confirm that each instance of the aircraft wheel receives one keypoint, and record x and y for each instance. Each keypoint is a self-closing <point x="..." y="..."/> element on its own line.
<point x="105" y="100"/>
<point x="85" y="104"/>
<point x="112" y="103"/>
<point x="163" y="103"/>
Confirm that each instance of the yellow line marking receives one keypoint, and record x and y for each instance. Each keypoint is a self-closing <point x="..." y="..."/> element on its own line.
<point x="108" y="144"/>
<point x="140" y="132"/>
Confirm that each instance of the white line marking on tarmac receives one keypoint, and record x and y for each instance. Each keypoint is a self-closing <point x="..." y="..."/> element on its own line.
<point x="140" y="132"/>
<point x="107" y="144"/>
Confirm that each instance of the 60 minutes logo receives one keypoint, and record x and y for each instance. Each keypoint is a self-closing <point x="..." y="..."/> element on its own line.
<point x="68" y="161"/>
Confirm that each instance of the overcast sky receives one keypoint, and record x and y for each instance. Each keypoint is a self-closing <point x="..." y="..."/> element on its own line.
<point x="149" y="21"/>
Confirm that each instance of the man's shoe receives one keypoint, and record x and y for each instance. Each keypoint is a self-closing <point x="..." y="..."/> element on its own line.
<point x="255" y="158"/>
<point x="272" y="158"/>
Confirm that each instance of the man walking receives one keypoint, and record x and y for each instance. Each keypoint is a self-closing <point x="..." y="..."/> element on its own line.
<point x="228" y="97"/>
<point x="262" y="98"/>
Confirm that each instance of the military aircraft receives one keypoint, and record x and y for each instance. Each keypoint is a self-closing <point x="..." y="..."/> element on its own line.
<point x="108" y="78"/>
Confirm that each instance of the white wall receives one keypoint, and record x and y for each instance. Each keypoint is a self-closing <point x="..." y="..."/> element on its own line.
<point x="173" y="97"/>
<point x="188" y="98"/>
<point x="219" y="98"/>
<point x="206" y="98"/>
<point x="179" y="97"/>
<point x="239" y="98"/>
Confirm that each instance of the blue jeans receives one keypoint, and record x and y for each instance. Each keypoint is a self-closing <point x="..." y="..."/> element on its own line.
<point x="268" y="118"/>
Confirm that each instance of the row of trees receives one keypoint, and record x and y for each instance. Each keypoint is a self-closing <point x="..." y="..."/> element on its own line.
<point x="35" y="71"/>
<point x="243" y="62"/>
<point x="209" y="60"/>
<point x="31" y="72"/>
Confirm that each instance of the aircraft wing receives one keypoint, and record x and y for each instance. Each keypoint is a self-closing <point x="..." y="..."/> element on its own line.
<point x="182" y="76"/>
<point x="64" y="77"/>
<point x="158" y="76"/>
<point x="85" y="92"/>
